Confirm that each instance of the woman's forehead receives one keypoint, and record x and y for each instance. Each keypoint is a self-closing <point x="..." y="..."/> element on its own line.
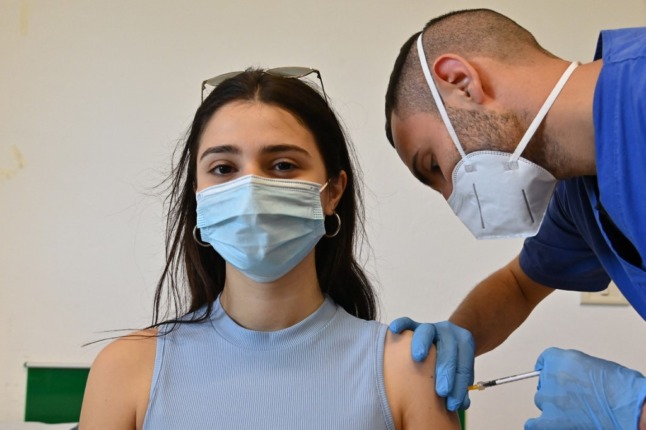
<point x="248" y="124"/>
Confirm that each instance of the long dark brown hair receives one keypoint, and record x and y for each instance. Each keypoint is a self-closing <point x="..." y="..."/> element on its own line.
<point x="193" y="275"/>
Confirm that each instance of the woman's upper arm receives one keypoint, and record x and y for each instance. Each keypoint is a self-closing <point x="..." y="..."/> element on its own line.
<point x="116" y="394"/>
<point x="410" y="388"/>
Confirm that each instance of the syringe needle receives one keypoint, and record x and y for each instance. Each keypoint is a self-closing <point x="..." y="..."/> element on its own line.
<point x="481" y="385"/>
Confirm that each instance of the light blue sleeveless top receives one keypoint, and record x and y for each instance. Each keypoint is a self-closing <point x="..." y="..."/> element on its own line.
<point x="326" y="372"/>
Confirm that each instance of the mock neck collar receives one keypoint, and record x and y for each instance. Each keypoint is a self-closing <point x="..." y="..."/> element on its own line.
<point x="266" y="340"/>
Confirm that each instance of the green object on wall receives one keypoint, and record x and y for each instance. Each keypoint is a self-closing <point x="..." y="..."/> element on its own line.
<point x="55" y="394"/>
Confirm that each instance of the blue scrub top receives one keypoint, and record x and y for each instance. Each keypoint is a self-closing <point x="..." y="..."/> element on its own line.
<point x="595" y="226"/>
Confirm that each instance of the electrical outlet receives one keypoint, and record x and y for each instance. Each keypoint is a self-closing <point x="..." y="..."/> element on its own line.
<point x="609" y="296"/>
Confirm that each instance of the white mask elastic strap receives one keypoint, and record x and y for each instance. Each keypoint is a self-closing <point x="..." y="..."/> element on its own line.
<point x="436" y="96"/>
<point x="543" y="111"/>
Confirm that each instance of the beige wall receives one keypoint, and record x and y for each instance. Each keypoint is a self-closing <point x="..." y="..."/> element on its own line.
<point x="95" y="94"/>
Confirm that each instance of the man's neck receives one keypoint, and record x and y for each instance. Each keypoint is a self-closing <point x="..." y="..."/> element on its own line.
<point x="569" y="125"/>
<point x="568" y="129"/>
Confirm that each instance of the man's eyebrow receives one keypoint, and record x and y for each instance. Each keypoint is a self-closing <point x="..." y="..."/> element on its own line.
<point x="220" y="149"/>
<point x="420" y="177"/>
<point x="284" y="147"/>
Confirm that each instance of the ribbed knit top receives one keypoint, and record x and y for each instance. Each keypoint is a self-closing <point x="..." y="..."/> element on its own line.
<point x="326" y="372"/>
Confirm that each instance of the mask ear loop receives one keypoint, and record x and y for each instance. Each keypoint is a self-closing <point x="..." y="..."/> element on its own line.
<point x="199" y="242"/>
<point x="438" y="100"/>
<point x="541" y="114"/>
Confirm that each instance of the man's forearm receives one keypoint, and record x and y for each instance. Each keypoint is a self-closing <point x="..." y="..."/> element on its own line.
<point x="498" y="305"/>
<point x="491" y="313"/>
<point x="642" y="419"/>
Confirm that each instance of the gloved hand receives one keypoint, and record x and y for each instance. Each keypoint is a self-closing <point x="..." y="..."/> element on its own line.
<point x="455" y="356"/>
<point x="577" y="391"/>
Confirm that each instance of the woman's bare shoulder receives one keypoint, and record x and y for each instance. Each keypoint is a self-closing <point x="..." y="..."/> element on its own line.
<point x="116" y="395"/>
<point x="127" y="356"/>
<point x="124" y="348"/>
<point x="410" y="387"/>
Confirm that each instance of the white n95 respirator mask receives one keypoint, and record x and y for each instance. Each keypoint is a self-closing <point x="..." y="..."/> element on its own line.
<point x="263" y="227"/>
<point x="498" y="194"/>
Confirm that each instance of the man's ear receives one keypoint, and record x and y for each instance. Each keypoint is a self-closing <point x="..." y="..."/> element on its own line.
<point x="333" y="192"/>
<point x="457" y="77"/>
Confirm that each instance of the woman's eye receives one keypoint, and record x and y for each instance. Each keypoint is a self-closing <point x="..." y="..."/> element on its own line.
<point x="284" y="165"/>
<point x="222" y="169"/>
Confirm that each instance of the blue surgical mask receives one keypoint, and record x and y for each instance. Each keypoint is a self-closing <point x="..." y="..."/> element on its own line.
<point x="261" y="226"/>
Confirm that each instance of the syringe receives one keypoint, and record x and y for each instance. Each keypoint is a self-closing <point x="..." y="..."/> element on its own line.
<point x="482" y="385"/>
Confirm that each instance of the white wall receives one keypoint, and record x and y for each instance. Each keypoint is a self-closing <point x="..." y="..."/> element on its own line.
<point x="95" y="94"/>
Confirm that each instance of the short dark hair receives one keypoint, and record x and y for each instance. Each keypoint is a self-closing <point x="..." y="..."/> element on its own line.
<point x="469" y="32"/>
<point x="203" y="269"/>
<point x="395" y="88"/>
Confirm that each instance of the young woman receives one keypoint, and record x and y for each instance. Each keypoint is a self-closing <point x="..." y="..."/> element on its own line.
<point x="280" y="330"/>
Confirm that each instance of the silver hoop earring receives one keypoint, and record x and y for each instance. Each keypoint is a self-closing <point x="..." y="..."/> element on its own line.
<point x="338" y="226"/>
<point x="199" y="242"/>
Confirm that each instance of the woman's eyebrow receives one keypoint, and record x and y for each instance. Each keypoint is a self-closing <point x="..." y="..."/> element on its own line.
<point x="284" y="147"/>
<point x="220" y="149"/>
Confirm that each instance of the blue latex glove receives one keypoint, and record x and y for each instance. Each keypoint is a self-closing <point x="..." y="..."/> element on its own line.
<point x="577" y="391"/>
<point x="455" y="356"/>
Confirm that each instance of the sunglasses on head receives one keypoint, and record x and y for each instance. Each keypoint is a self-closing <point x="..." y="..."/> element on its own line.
<point x="285" y="72"/>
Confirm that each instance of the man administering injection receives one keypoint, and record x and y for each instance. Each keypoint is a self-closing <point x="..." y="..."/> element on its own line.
<point x="522" y="143"/>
